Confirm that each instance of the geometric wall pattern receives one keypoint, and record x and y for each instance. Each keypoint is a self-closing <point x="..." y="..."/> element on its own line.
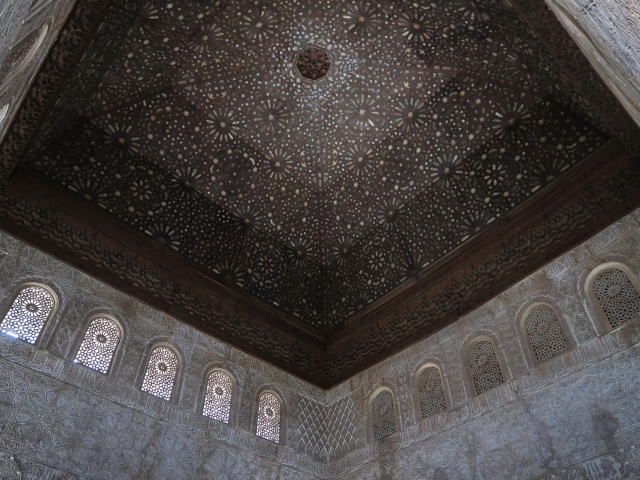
<point x="332" y="427"/>
<point x="592" y="411"/>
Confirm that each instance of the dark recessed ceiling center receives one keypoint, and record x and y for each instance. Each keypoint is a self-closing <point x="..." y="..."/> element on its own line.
<point x="313" y="63"/>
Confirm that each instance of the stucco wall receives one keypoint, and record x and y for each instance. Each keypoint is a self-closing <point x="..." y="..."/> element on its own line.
<point x="576" y="413"/>
<point x="575" y="416"/>
<point x="608" y="33"/>
<point x="64" y="415"/>
<point x="28" y="28"/>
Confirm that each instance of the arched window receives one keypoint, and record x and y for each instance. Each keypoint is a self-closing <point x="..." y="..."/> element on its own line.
<point x="545" y="333"/>
<point x="383" y="415"/>
<point x="217" y="399"/>
<point x="99" y="344"/>
<point x="269" y="417"/>
<point x="484" y="367"/>
<point x="161" y="373"/>
<point x="431" y="391"/>
<point x="617" y="296"/>
<point x="28" y="313"/>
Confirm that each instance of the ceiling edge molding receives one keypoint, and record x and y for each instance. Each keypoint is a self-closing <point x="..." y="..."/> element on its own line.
<point x="608" y="191"/>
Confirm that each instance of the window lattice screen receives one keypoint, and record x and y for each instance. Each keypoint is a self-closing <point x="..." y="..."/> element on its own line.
<point x="269" y="417"/>
<point x="484" y="366"/>
<point x="217" y="400"/>
<point x="384" y="417"/>
<point x="28" y="313"/>
<point x="617" y="296"/>
<point x="431" y="390"/>
<point x="161" y="373"/>
<point x="99" y="344"/>
<point x="545" y="333"/>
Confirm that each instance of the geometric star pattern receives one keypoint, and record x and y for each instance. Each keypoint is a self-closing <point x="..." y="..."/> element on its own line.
<point x="433" y="121"/>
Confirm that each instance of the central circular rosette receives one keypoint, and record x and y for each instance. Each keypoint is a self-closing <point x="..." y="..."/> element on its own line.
<point x="313" y="62"/>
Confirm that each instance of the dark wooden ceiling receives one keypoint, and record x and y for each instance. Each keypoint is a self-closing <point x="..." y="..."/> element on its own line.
<point x="434" y="154"/>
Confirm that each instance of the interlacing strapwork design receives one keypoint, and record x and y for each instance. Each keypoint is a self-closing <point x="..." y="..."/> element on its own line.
<point x="431" y="392"/>
<point x="28" y="313"/>
<point x="545" y="333"/>
<point x="217" y="400"/>
<point x="617" y="296"/>
<point x="384" y="417"/>
<point x="161" y="373"/>
<point x="269" y="417"/>
<point x="327" y="429"/>
<point x="99" y="344"/>
<point x="484" y="367"/>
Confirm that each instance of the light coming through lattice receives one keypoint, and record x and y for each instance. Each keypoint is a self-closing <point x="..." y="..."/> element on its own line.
<point x="99" y="344"/>
<point x="617" y="296"/>
<point x="269" y="415"/>
<point x="217" y="400"/>
<point x="384" y="417"/>
<point x="28" y="314"/>
<point x="161" y="373"/>
<point x="484" y="366"/>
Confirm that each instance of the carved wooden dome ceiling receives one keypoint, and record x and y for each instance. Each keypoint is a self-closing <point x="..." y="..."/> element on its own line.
<point x="324" y="162"/>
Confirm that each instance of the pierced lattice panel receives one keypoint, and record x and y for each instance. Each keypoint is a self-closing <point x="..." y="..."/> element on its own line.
<point x="269" y="417"/>
<point x="28" y="314"/>
<point x="161" y="373"/>
<point x="484" y="366"/>
<point x="431" y="390"/>
<point x="384" y="417"/>
<point x="99" y="344"/>
<point x="617" y="296"/>
<point x="217" y="400"/>
<point x="545" y="333"/>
